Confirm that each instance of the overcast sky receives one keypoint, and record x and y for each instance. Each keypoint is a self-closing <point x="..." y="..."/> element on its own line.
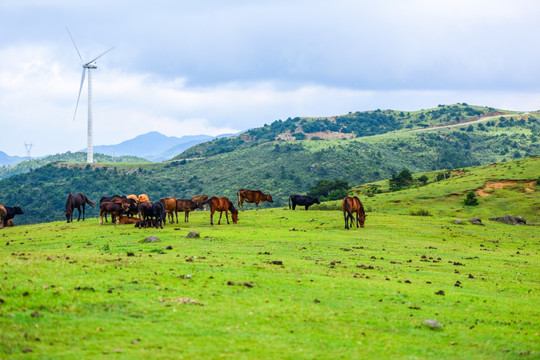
<point x="213" y="67"/>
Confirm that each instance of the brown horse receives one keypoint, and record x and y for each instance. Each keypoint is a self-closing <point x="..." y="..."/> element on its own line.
<point x="350" y="206"/>
<point x="221" y="205"/>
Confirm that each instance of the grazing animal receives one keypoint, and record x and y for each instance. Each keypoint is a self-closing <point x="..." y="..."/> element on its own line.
<point x="170" y="207"/>
<point x="76" y="201"/>
<point x="7" y="213"/>
<point x="115" y="208"/>
<point x="133" y="196"/>
<point x="252" y="196"/>
<point x="350" y="206"/>
<point x="10" y="223"/>
<point x="150" y="212"/>
<point x="132" y="203"/>
<point x="302" y="200"/>
<point x="186" y="205"/>
<point x="222" y="204"/>
<point x="201" y="199"/>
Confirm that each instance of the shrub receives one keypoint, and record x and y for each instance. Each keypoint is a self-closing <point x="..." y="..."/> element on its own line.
<point x="470" y="199"/>
<point x="420" y="212"/>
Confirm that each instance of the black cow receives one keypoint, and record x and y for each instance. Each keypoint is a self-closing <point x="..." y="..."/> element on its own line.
<point x="151" y="213"/>
<point x="8" y="213"/>
<point x="302" y="200"/>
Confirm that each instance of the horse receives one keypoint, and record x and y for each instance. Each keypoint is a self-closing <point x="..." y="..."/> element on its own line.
<point x="352" y="205"/>
<point x="222" y="204"/>
<point x="75" y="201"/>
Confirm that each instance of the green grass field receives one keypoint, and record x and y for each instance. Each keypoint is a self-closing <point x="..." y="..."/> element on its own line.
<point x="278" y="285"/>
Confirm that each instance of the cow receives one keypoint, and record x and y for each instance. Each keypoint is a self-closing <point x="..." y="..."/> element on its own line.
<point x="170" y="206"/>
<point x="187" y="205"/>
<point x="350" y="206"/>
<point x="152" y="211"/>
<point x="201" y="199"/>
<point x="7" y="213"/>
<point x="132" y="203"/>
<point x="10" y="223"/>
<point x="302" y="200"/>
<point x="252" y="196"/>
<point x="143" y="198"/>
<point x="221" y="205"/>
<point x="115" y="208"/>
<point x="128" y="220"/>
<point x="76" y="201"/>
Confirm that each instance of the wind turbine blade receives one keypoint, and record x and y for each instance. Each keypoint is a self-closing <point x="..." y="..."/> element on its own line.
<point x="80" y="89"/>
<point x="76" y="48"/>
<point x="91" y="61"/>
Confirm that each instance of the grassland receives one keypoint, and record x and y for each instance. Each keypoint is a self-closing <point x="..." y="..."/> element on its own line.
<point x="280" y="284"/>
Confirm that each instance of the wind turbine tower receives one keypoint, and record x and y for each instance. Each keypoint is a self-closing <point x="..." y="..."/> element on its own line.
<point x="90" y="65"/>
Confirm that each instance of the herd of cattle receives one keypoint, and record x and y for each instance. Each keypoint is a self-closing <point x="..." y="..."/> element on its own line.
<point x="140" y="211"/>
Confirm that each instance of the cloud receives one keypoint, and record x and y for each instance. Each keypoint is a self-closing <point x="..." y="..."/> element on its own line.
<point x="214" y="67"/>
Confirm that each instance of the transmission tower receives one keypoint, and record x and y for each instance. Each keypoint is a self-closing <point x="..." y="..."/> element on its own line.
<point x="28" y="148"/>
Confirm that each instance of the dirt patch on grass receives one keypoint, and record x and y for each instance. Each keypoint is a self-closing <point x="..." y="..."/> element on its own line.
<point x="496" y="185"/>
<point x="486" y="190"/>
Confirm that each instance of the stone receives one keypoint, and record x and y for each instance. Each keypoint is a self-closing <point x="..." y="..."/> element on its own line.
<point x="476" y="221"/>
<point x="152" y="239"/>
<point x="457" y="221"/>
<point x="432" y="323"/>
<point x="193" y="235"/>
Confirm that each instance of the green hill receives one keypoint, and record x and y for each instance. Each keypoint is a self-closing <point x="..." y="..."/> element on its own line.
<point x="78" y="157"/>
<point x="283" y="167"/>
<point x="502" y="188"/>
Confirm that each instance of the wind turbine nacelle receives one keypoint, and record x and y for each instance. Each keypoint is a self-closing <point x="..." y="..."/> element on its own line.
<point x="91" y="66"/>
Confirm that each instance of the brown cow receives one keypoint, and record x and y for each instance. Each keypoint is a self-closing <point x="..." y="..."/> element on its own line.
<point x="116" y="209"/>
<point x="143" y="198"/>
<point x="128" y="220"/>
<point x="352" y="205"/>
<point x="186" y="205"/>
<point x="170" y="206"/>
<point x="202" y="199"/>
<point x="252" y="196"/>
<point x="222" y="204"/>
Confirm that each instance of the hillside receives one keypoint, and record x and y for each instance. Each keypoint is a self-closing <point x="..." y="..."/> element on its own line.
<point x="352" y="125"/>
<point x="280" y="167"/>
<point x="78" y="157"/>
<point x="7" y="160"/>
<point x="502" y="188"/>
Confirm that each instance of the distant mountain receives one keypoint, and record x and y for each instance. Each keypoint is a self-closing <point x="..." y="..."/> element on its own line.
<point x="6" y="160"/>
<point x="153" y="146"/>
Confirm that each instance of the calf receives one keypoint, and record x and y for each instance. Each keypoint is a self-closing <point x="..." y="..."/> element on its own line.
<point x="302" y="200"/>
<point x="114" y="208"/>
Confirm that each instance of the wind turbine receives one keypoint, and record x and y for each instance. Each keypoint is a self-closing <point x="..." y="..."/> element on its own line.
<point x="90" y="65"/>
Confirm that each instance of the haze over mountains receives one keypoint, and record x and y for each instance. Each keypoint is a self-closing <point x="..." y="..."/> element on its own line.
<point x="152" y="146"/>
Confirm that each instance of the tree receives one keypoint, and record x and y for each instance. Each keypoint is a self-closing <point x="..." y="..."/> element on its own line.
<point x="471" y="199"/>
<point x="423" y="179"/>
<point x="400" y="181"/>
<point x="329" y="190"/>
